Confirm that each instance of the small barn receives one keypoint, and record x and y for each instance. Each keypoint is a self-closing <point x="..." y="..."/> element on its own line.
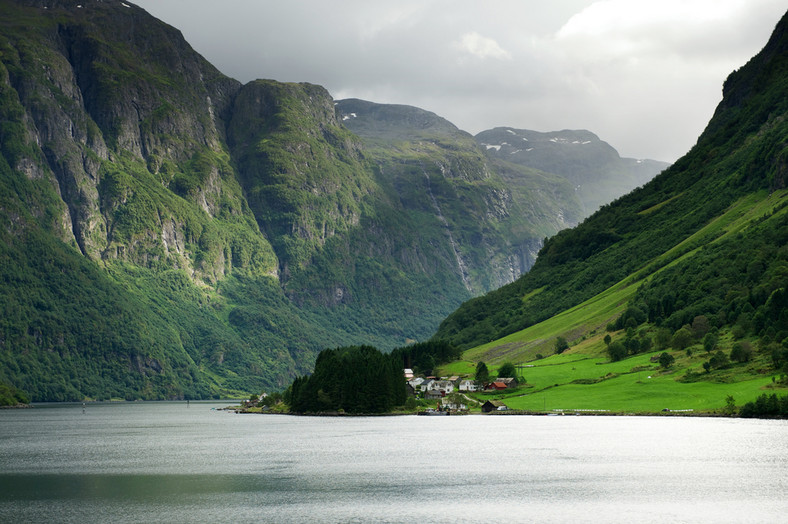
<point x="434" y="394"/>
<point x="493" y="405"/>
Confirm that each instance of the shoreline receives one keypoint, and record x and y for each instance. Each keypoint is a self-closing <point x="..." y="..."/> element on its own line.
<point x="510" y="412"/>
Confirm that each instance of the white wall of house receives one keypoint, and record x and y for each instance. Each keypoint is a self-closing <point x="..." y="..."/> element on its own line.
<point x="468" y="385"/>
<point x="441" y="385"/>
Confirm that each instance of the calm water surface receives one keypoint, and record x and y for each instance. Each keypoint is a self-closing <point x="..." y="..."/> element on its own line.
<point x="164" y="462"/>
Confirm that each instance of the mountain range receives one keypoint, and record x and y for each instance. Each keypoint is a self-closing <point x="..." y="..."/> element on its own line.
<point x="169" y="232"/>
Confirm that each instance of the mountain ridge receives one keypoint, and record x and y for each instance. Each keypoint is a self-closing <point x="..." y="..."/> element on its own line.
<point x="169" y="232"/>
<point x="593" y="166"/>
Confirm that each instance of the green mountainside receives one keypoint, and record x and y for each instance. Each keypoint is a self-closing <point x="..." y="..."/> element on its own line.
<point x="495" y="216"/>
<point x="698" y="257"/>
<point x="167" y="232"/>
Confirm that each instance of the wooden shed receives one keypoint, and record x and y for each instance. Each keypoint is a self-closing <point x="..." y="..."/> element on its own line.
<point x="492" y="405"/>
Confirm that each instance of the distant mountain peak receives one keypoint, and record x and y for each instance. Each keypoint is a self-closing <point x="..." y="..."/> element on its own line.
<point x="593" y="166"/>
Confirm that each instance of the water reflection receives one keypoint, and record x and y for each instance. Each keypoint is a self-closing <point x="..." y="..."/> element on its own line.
<point x="166" y="463"/>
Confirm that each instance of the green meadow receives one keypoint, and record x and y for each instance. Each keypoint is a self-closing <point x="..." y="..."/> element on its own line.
<point x="585" y="378"/>
<point x="635" y="385"/>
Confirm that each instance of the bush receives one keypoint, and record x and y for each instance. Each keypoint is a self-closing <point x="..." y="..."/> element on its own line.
<point x="617" y="351"/>
<point x="682" y="339"/>
<point x="741" y="352"/>
<point x="709" y="342"/>
<point x="666" y="360"/>
<point x="766" y="406"/>
<point x="507" y="370"/>
<point x="719" y="360"/>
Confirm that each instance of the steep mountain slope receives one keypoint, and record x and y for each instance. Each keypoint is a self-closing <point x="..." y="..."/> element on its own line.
<point x="169" y="232"/>
<point x="166" y="232"/>
<point x="494" y="216"/>
<point x="594" y="168"/>
<point x="120" y="205"/>
<point x="706" y="238"/>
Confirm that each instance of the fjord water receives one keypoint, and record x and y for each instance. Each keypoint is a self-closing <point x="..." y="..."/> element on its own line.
<point x="166" y="462"/>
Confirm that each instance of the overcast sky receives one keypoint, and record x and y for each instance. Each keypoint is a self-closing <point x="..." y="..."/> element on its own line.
<point x="644" y="75"/>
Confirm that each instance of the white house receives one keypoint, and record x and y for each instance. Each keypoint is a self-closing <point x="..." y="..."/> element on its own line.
<point x="447" y="404"/>
<point x="444" y="386"/>
<point x="468" y="385"/>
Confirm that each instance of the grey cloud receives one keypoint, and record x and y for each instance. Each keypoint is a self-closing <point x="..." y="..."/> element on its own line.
<point x="652" y="101"/>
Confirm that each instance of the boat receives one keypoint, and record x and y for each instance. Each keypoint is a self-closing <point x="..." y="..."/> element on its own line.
<point x="432" y="412"/>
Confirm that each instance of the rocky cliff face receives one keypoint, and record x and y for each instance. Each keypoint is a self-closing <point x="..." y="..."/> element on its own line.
<point x="120" y="108"/>
<point x="494" y="218"/>
<point x="301" y="171"/>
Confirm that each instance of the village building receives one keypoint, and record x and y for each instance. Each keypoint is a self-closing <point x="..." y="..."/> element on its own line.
<point x="415" y="383"/>
<point x="410" y="390"/>
<point x="493" y="405"/>
<point x="444" y="386"/>
<point x="433" y="394"/>
<point x="453" y="406"/>
<point x="468" y="385"/>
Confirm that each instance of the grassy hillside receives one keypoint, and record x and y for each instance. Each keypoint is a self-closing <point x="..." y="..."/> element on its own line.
<point x="694" y="260"/>
<point x="166" y="232"/>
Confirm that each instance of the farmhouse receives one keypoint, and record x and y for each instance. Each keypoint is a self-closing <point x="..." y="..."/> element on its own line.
<point x="468" y="385"/>
<point x="443" y="386"/>
<point x="433" y="394"/>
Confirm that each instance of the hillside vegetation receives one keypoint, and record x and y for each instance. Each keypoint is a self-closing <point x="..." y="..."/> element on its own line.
<point x="694" y="263"/>
<point x="167" y="232"/>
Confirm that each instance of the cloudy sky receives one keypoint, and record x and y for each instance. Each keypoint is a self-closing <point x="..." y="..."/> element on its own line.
<point x="644" y="75"/>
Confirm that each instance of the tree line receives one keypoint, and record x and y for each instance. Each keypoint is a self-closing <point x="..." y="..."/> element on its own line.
<point x="354" y="379"/>
<point x="362" y="379"/>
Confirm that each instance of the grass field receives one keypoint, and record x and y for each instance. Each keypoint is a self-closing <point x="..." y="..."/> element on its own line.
<point x="633" y="385"/>
<point x="584" y="378"/>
